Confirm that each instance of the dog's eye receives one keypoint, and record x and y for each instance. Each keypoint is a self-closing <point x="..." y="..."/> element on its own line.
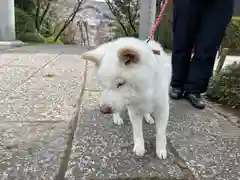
<point x="120" y="84"/>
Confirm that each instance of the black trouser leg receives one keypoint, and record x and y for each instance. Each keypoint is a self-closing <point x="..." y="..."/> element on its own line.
<point x="186" y="18"/>
<point x="215" y="18"/>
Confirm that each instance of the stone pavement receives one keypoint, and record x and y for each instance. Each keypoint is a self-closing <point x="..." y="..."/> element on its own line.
<point x="40" y="140"/>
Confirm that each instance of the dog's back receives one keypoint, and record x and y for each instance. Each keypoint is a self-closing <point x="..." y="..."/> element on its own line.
<point x="164" y="60"/>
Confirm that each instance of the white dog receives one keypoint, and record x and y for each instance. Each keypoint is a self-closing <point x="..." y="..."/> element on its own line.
<point x="134" y="75"/>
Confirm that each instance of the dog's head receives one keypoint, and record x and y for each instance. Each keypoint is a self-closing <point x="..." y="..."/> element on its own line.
<point x="123" y="72"/>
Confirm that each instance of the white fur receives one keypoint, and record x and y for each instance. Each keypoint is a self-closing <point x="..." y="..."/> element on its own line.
<point x="145" y="92"/>
<point x="119" y="121"/>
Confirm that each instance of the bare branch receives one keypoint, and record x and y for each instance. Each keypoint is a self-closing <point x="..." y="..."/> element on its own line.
<point x="116" y="13"/>
<point x="99" y="11"/>
<point x="136" y="9"/>
<point x="130" y="16"/>
<point x="45" y="12"/>
<point x="37" y="15"/>
<point x="70" y="18"/>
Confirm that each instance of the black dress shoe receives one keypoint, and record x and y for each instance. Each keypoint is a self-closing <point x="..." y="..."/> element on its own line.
<point x="195" y="99"/>
<point x="176" y="93"/>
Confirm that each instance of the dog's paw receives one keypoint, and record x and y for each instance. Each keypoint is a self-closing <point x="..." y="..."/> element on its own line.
<point x="148" y="118"/>
<point x="117" y="119"/>
<point x="139" y="149"/>
<point x="161" y="153"/>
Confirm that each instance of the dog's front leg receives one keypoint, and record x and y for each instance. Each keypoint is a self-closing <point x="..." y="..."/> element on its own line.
<point x="117" y="119"/>
<point x="136" y="120"/>
<point x="161" y="119"/>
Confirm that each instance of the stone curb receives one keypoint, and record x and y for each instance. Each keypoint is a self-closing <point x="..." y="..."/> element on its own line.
<point x="72" y="127"/>
<point x="230" y="117"/>
<point x="12" y="43"/>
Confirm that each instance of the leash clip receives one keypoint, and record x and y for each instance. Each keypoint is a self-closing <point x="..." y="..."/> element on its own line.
<point x="156" y="52"/>
<point x="148" y="39"/>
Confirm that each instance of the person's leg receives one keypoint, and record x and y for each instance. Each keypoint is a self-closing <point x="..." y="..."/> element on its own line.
<point x="216" y="16"/>
<point x="186" y="14"/>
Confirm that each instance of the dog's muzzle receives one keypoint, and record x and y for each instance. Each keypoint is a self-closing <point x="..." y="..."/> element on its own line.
<point x="105" y="109"/>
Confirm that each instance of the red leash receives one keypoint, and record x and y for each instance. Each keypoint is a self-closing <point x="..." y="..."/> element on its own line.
<point x="158" y="20"/>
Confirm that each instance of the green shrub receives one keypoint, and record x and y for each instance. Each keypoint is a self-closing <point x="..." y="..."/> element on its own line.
<point x="23" y="22"/>
<point x="118" y="30"/>
<point x="50" y="40"/>
<point x="225" y="86"/>
<point x="32" y="37"/>
<point x="38" y="38"/>
<point x="232" y="38"/>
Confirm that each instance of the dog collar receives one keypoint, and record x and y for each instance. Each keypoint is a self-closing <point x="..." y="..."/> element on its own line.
<point x="157" y="52"/>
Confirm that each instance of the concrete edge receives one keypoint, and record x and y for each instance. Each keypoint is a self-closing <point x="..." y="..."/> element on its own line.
<point x="188" y="173"/>
<point x="228" y="116"/>
<point x="16" y="43"/>
<point x="73" y="127"/>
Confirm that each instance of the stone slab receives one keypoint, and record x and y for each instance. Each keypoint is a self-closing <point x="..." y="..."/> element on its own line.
<point x="15" y="43"/>
<point x="7" y="58"/>
<point x="37" y="55"/>
<point x="37" y="60"/>
<point x="50" y="49"/>
<point x="27" y="49"/>
<point x="34" y="121"/>
<point x="4" y="48"/>
<point x="20" y="67"/>
<point x="208" y="143"/>
<point x="12" y="77"/>
<point x="102" y="150"/>
<point x="19" y="64"/>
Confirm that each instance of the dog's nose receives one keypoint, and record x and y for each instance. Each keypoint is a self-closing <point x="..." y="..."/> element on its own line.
<point x="105" y="109"/>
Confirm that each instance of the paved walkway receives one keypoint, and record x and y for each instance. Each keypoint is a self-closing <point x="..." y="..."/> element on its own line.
<point x="39" y="139"/>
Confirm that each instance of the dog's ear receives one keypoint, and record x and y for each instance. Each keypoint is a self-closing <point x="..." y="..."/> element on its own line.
<point x="96" y="55"/>
<point x="93" y="55"/>
<point x="128" y="56"/>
